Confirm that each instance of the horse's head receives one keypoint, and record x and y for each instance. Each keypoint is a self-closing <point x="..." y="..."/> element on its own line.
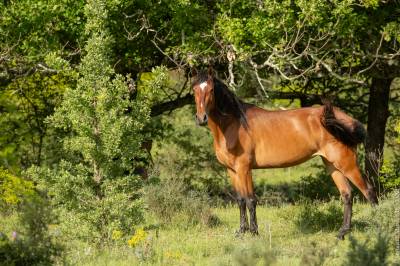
<point x="203" y="88"/>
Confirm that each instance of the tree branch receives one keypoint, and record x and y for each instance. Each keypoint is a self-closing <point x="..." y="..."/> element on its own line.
<point x="161" y="108"/>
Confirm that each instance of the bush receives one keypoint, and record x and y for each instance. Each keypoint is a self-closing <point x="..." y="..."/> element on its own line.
<point x="390" y="171"/>
<point x="319" y="186"/>
<point x="390" y="174"/>
<point x="382" y="225"/>
<point x="171" y="200"/>
<point x="31" y="243"/>
<point x="317" y="216"/>
<point x="254" y="255"/>
<point x="188" y="151"/>
<point x="13" y="190"/>
<point x="314" y="255"/>
<point x="76" y="197"/>
<point x="363" y="253"/>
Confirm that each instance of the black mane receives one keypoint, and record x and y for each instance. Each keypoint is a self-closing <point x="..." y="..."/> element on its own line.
<point x="226" y="102"/>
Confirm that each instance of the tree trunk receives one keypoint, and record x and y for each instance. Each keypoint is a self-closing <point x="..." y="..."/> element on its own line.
<point x="378" y="112"/>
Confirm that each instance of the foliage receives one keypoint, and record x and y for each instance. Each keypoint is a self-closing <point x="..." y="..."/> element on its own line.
<point x="96" y="181"/>
<point x="186" y="151"/>
<point x="390" y="172"/>
<point x="253" y="255"/>
<point x="315" y="186"/>
<point x="170" y="201"/>
<point x="32" y="243"/>
<point x="382" y="229"/>
<point x="314" y="255"/>
<point x="361" y="254"/>
<point x="25" y="105"/>
<point x="313" y="218"/>
<point x="142" y="242"/>
<point x="13" y="190"/>
<point x="319" y="186"/>
<point x="78" y="81"/>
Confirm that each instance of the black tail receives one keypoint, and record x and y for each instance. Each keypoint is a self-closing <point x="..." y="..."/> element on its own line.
<point x="348" y="135"/>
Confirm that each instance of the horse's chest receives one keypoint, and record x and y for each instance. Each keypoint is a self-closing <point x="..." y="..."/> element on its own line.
<point x="224" y="156"/>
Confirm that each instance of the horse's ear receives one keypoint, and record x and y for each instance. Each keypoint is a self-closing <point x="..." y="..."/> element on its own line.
<point x="210" y="72"/>
<point x="193" y="72"/>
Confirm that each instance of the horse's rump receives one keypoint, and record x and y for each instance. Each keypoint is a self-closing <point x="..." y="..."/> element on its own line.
<point x="346" y="129"/>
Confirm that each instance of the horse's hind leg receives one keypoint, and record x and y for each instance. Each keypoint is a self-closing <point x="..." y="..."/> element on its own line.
<point x="344" y="159"/>
<point x="353" y="173"/>
<point x="244" y="224"/>
<point x="345" y="192"/>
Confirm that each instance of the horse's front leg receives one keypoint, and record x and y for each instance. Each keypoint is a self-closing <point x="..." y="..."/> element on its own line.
<point x="251" y="203"/>
<point x="243" y="184"/>
<point x="244" y="224"/>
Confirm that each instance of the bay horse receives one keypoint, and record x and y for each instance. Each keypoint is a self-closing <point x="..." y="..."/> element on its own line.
<point x="248" y="137"/>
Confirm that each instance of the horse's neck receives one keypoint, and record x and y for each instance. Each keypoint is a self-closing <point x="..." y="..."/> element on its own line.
<point x="219" y="124"/>
<point x="215" y="127"/>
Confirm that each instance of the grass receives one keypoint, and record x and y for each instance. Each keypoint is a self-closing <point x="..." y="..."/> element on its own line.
<point x="281" y="240"/>
<point x="290" y="234"/>
<point x="278" y="176"/>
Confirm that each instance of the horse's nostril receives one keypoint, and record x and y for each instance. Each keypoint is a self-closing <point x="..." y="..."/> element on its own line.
<point x="201" y="119"/>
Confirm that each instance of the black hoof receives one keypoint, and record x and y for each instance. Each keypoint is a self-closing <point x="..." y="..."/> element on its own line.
<point x="342" y="233"/>
<point x="254" y="233"/>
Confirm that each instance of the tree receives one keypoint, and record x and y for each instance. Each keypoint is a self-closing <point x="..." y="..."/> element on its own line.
<point x="96" y="181"/>
<point x="309" y="42"/>
<point x="39" y="45"/>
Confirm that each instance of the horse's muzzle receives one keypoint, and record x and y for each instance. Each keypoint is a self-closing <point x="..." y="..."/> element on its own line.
<point x="201" y="120"/>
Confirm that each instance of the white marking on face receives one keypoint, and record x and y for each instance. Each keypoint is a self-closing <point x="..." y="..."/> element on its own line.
<point x="203" y="85"/>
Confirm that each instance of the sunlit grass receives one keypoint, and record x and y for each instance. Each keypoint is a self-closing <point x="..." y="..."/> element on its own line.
<point x="279" y="238"/>
<point x="288" y="236"/>
<point x="278" y="176"/>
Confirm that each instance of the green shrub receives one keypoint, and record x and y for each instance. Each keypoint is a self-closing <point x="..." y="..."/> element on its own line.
<point x="363" y="253"/>
<point x="254" y="255"/>
<point x="319" y="186"/>
<point x="188" y="152"/>
<point x="317" y="216"/>
<point x="384" y="217"/>
<point x="13" y="190"/>
<point x="390" y="171"/>
<point x="382" y="225"/>
<point x="390" y="174"/>
<point x="76" y="198"/>
<point x="170" y="200"/>
<point x="315" y="255"/>
<point x="32" y="242"/>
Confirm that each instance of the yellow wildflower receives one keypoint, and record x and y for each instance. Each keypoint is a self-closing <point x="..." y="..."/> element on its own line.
<point x="139" y="236"/>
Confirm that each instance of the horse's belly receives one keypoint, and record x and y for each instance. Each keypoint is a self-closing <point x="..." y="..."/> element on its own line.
<point x="285" y="155"/>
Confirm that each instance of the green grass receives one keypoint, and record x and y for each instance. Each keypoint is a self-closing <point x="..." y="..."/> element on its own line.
<point x="277" y="176"/>
<point x="281" y="239"/>
<point x="299" y="234"/>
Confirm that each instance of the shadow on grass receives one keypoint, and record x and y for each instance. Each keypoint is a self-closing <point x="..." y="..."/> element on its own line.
<point x="318" y="186"/>
<point x="315" y="187"/>
<point x="327" y="217"/>
<point x="314" y="217"/>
